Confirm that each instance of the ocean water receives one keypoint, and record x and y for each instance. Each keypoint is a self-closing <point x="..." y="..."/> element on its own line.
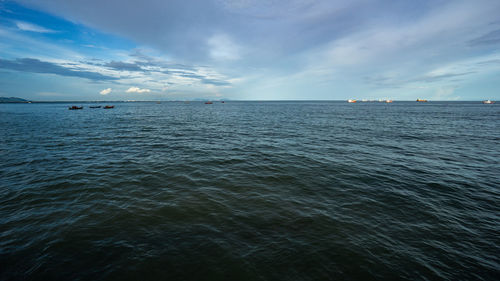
<point x="250" y="191"/>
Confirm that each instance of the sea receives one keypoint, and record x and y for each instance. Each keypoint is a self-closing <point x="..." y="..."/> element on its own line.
<point x="254" y="190"/>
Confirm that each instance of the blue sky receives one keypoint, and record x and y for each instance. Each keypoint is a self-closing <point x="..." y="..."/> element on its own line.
<point x="250" y="49"/>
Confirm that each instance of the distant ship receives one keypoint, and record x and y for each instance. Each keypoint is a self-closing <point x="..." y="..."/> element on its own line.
<point x="488" y="102"/>
<point x="388" y="101"/>
<point x="351" y="101"/>
<point x="421" y="100"/>
<point x="208" y="102"/>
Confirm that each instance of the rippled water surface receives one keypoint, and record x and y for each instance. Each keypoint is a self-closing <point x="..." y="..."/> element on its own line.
<point x="250" y="191"/>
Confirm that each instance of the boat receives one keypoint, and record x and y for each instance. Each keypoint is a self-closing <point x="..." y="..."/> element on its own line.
<point x="351" y="101"/>
<point x="222" y="102"/>
<point x="109" y="106"/>
<point x="95" y="106"/>
<point x="388" y="101"/>
<point x="208" y="102"/>
<point x="488" y="102"/>
<point x="421" y="100"/>
<point x="75" y="107"/>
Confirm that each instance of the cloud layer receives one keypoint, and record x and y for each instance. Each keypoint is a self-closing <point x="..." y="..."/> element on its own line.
<point x="256" y="49"/>
<point x="38" y="66"/>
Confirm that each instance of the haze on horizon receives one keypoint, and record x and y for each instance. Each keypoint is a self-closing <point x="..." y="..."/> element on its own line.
<point x="250" y="50"/>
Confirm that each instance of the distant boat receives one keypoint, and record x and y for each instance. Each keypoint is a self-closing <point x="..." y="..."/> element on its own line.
<point x="158" y="102"/>
<point x="222" y="102"/>
<point x="488" y="102"/>
<point x="421" y="100"/>
<point x="109" y="106"/>
<point x="75" y="107"/>
<point x="95" y="106"/>
<point x="351" y="101"/>
<point x="208" y="102"/>
<point x="388" y="101"/>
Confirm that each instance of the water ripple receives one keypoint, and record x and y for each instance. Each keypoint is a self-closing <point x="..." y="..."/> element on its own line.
<point x="250" y="191"/>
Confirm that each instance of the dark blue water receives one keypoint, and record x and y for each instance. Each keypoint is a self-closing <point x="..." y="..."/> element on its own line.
<point x="250" y="191"/>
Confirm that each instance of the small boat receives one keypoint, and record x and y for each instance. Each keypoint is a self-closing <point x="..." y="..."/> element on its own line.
<point x="388" y="101"/>
<point x="208" y="102"/>
<point x="222" y="102"/>
<point x="75" y="107"/>
<point x="95" y="106"/>
<point x="109" y="106"/>
<point x="421" y="100"/>
<point x="488" y="102"/>
<point x="351" y="101"/>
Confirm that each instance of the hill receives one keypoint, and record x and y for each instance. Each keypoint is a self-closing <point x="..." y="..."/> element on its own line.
<point x="13" y="99"/>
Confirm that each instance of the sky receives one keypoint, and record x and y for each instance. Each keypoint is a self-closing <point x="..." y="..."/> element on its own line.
<point x="250" y="49"/>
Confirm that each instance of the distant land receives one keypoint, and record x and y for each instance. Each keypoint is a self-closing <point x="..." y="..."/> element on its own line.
<point x="13" y="100"/>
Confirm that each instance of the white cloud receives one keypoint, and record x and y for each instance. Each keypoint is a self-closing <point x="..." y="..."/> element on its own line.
<point x="137" y="90"/>
<point x="445" y="93"/>
<point x="105" y="91"/>
<point x="25" y="26"/>
<point x="223" y="48"/>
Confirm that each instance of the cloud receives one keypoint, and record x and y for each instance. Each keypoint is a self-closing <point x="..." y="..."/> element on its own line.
<point x="445" y="93"/>
<point x="25" y="26"/>
<point x="436" y="77"/>
<point x="155" y="73"/>
<point x="223" y="48"/>
<point x="105" y="91"/>
<point x="215" y="82"/>
<point x="490" y="38"/>
<point x="137" y="90"/>
<point x="433" y="77"/>
<point x="38" y="66"/>
<point x="123" y="66"/>
<point x="165" y="71"/>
